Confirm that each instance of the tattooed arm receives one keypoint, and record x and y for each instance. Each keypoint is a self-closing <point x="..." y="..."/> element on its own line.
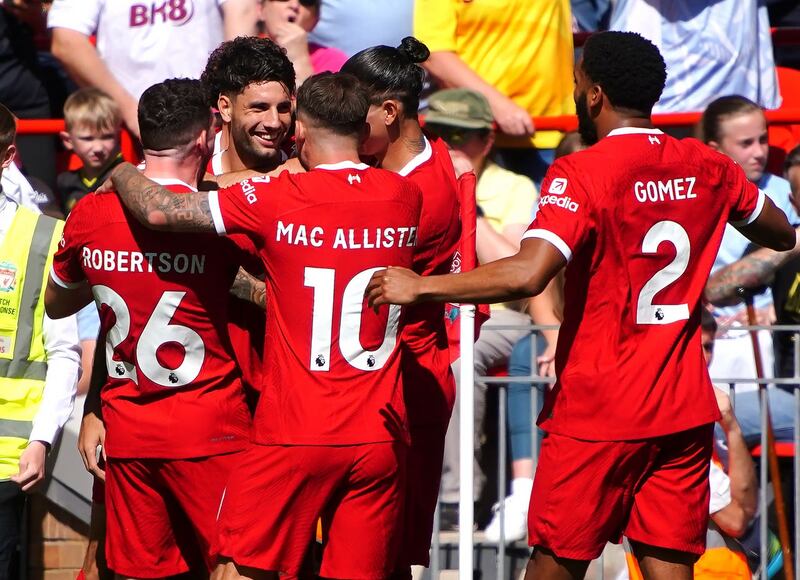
<point x="249" y="288"/>
<point x="753" y="270"/>
<point x="159" y="208"/>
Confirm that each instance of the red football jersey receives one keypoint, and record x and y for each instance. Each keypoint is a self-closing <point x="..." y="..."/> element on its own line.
<point x="331" y="364"/>
<point x="173" y="390"/>
<point x="429" y="384"/>
<point x="639" y="217"/>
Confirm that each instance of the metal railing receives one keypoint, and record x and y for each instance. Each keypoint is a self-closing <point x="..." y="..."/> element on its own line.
<point x="468" y="378"/>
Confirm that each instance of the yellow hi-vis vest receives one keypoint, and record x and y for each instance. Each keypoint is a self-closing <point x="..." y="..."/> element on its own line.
<point x="724" y="559"/>
<point x="26" y="255"/>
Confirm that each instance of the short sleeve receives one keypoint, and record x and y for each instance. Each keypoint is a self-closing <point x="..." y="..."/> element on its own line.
<point x="79" y="15"/>
<point x="746" y="199"/>
<point x="435" y="23"/>
<point x="563" y="217"/>
<point x="243" y="208"/>
<point x="67" y="271"/>
<point x="720" y="485"/>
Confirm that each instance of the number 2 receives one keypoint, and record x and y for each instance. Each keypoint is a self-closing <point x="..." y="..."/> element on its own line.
<point x="646" y="311"/>
<point x="322" y="281"/>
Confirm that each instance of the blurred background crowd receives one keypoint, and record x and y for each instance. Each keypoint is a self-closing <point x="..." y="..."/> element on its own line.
<point x="497" y="68"/>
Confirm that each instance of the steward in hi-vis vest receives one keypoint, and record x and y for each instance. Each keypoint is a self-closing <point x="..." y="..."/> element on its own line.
<point x="26" y="255"/>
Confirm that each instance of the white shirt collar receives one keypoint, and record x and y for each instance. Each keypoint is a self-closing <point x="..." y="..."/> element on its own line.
<point x="165" y="181"/>
<point x="342" y="165"/>
<point x="418" y="160"/>
<point x="635" y="131"/>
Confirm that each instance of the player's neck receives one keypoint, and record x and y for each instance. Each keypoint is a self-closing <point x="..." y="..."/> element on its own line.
<point x="409" y="143"/>
<point x="612" y="121"/>
<point x="329" y="149"/>
<point x="163" y="167"/>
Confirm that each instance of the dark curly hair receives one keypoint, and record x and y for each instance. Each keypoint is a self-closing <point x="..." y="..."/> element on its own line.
<point x="337" y="102"/>
<point x="391" y="73"/>
<point x="172" y="114"/>
<point x="238" y="63"/>
<point x="628" y="67"/>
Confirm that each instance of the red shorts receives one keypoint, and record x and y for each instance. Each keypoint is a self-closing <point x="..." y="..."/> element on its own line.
<point x="162" y="513"/>
<point x="424" y="468"/>
<point x="653" y="491"/>
<point x="429" y="389"/>
<point x="277" y="494"/>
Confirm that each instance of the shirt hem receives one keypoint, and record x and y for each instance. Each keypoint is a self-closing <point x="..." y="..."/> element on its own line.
<point x="595" y="434"/>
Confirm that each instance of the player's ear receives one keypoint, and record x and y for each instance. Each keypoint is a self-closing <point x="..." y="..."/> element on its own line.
<point x="66" y="140"/>
<point x="714" y="145"/>
<point x="363" y="135"/>
<point x="8" y="156"/>
<point x="594" y="97"/>
<point x="225" y="106"/>
<point x="299" y="131"/>
<point x="391" y="110"/>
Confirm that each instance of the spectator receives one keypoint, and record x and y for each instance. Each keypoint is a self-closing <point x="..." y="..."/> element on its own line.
<point x="518" y="57"/>
<point x="93" y="122"/>
<point x="39" y="357"/>
<point x="590" y="15"/>
<point x="23" y="86"/>
<point x="354" y="25"/>
<point x="288" y="23"/>
<point x="142" y="43"/>
<point x="736" y="127"/>
<point x="463" y="118"/>
<point x="520" y="411"/>
<point x="785" y="288"/>
<point x="711" y="48"/>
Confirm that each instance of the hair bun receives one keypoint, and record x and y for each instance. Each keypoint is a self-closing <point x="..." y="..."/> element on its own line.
<point x="414" y="50"/>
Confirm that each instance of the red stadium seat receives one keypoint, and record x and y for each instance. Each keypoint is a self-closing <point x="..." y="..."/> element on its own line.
<point x="783" y="449"/>
<point x="784" y="138"/>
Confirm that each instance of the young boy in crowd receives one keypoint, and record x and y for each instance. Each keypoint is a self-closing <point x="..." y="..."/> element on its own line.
<point x="93" y="121"/>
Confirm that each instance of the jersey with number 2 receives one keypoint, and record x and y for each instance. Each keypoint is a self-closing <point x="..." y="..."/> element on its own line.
<point x="331" y="364"/>
<point x="173" y="390"/>
<point x="639" y="217"/>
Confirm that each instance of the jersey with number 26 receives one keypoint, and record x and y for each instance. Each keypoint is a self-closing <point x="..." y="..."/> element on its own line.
<point x="639" y="217"/>
<point x="173" y="390"/>
<point x="331" y="364"/>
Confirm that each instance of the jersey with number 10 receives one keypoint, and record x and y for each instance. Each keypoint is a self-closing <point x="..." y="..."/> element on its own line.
<point x="331" y="364"/>
<point x="639" y="217"/>
<point x="173" y="390"/>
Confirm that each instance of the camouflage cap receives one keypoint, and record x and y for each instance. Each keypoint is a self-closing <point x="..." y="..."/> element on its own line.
<point x="463" y="108"/>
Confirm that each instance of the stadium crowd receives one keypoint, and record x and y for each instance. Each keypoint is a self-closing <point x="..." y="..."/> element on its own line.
<point x="237" y="421"/>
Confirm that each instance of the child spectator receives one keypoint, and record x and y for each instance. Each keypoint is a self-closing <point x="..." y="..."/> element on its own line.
<point x="93" y="121"/>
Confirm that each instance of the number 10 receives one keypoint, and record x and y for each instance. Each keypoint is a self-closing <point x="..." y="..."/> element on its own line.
<point x="322" y="281"/>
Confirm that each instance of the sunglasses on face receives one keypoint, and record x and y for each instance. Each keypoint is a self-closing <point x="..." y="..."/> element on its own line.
<point x="454" y="136"/>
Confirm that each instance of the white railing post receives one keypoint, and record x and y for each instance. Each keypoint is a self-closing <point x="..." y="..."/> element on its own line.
<point x="466" y="516"/>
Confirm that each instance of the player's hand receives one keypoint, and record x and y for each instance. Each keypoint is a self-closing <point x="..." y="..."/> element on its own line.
<point x="728" y="419"/>
<point x="31" y="466"/>
<point x="393" y="286"/>
<point x="92" y="436"/>
<point x="511" y="118"/>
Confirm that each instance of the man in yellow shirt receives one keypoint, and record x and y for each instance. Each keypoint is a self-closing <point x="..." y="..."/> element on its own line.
<point x="518" y="54"/>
